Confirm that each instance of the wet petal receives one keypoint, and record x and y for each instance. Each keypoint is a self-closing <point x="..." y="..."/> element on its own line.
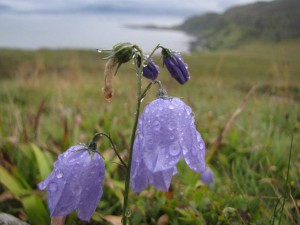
<point x="67" y="184"/>
<point x="161" y="129"/>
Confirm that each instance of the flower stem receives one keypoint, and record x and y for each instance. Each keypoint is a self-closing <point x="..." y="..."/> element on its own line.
<point x="137" y="113"/>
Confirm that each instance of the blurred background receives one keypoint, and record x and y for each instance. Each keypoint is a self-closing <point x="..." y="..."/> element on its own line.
<point x="243" y="56"/>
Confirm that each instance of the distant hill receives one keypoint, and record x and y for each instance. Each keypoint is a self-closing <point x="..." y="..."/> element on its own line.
<point x="271" y="21"/>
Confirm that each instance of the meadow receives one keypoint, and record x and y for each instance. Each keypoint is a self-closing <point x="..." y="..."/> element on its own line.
<point x="246" y="107"/>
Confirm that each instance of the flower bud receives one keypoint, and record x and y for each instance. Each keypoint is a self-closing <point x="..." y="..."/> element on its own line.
<point x="176" y="66"/>
<point x="151" y="70"/>
<point x="123" y="52"/>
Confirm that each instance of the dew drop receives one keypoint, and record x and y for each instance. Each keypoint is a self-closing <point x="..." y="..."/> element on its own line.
<point x="128" y="213"/>
<point x="60" y="157"/>
<point x="157" y="125"/>
<point x="185" y="150"/>
<point x="171" y="127"/>
<point x="72" y="160"/>
<point x="172" y="137"/>
<point x="174" y="151"/>
<point x="42" y="185"/>
<point x="201" y="146"/>
<point x="76" y="189"/>
<point x="59" y="174"/>
<point x="171" y="107"/>
<point x="52" y="187"/>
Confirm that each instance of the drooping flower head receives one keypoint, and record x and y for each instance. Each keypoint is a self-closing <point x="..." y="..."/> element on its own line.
<point x="75" y="183"/>
<point x="120" y="53"/>
<point x="166" y="133"/>
<point x="151" y="70"/>
<point x="176" y="66"/>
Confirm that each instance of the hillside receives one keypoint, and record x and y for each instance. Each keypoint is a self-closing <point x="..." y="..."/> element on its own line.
<point x="271" y="21"/>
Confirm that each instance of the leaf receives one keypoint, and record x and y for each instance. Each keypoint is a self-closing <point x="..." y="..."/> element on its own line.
<point x="11" y="183"/>
<point x="35" y="210"/>
<point x="41" y="159"/>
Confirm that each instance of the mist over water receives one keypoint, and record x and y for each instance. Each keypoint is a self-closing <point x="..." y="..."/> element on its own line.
<point x="88" y="31"/>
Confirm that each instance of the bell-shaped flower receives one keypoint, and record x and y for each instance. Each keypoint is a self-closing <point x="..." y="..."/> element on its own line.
<point x="166" y="133"/>
<point x="75" y="183"/>
<point x="176" y="66"/>
<point x="151" y="70"/>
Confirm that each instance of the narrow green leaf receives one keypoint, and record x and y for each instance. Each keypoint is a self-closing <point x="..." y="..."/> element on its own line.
<point x="41" y="159"/>
<point x="35" y="210"/>
<point x="11" y="183"/>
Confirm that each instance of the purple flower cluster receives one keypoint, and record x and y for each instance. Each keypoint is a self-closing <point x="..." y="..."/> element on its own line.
<point x="75" y="183"/>
<point x="166" y="133"/>
<point x="174" y="64"/>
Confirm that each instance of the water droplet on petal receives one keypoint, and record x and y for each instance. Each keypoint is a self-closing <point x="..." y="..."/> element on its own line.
<point x="172" y="137"/>
<point x="42" y="185"/>
<point x="174" y="151"/>
<point x="52" y="187"/>
<point x="185" y="150"/>
<point x="171" y="107"/>
<point x="157" y="125"/>
<point x="201" y="146"/>
<point x="71" y="161"/>
<point x="59" y="173"/>
<point x="76" y="189"/>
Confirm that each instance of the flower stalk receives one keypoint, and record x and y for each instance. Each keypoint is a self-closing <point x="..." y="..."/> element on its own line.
<point x="137" y="113"/>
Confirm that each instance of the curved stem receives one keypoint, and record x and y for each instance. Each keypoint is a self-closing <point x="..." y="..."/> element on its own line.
<point x="112" y="145"/>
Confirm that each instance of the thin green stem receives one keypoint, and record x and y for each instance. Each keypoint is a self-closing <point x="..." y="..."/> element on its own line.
<point x="112" y="144"/>
<point x="137" y="113"/>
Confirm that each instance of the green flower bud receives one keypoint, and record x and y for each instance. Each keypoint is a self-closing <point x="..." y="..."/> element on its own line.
<point x="123" y="52"/>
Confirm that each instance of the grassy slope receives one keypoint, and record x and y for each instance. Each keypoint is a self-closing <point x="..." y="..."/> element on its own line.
<point x="272" y="21"/>
<point x="250" y="165"/>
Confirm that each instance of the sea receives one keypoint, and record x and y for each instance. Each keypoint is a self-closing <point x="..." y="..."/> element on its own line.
<point x="89" y="31"/>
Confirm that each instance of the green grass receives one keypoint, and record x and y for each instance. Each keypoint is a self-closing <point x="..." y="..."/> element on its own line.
<point x="53" y="99"/>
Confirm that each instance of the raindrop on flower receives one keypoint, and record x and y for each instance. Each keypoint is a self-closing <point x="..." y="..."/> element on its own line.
<point x="156" y="125"/>
<point x="59" y="173"/>
<point x="174" y="151"/>
<point x="52" y="187"/>
<point x="42" y="185"/>
<point x="201" y="146"/>
<point x="76" y="189"/>
<point x="171" y="107"/>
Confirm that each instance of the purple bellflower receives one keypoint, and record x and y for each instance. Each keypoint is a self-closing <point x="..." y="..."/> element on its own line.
<point x="176" y="66"/>
<point x="151" y="70"/>
<point x="166" y="133"/>
<point x="75" y="183"/>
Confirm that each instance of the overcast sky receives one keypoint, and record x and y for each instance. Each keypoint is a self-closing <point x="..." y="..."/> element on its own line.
<point x="183" y="7"/>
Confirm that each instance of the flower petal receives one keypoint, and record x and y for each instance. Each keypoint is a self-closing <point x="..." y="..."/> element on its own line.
<point x="192" y="144"/>
<point x="161" y="129"/>
<point x="207" y="176"/>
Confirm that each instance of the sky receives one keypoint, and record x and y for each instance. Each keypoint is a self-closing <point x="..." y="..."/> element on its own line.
<point x="171" y="7"/>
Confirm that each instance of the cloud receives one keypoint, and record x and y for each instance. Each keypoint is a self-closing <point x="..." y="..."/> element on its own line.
<point x="169" y="7"/>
